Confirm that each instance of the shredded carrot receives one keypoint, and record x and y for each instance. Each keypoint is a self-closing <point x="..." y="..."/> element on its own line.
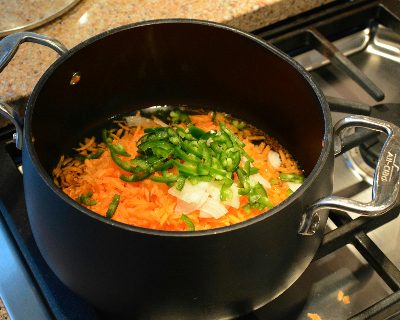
<point x="146" y="203"/>
<point x="313" y="316"/>
<point x="346" y="300"/>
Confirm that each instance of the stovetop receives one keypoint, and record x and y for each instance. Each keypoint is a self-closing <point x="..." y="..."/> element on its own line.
<point x="358" y="256"/>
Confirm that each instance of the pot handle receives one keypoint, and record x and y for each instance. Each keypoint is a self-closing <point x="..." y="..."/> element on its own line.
<point x="385" y="189"/>
<point x="8" y="47"/>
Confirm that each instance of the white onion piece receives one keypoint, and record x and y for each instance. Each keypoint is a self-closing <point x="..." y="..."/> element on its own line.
<point x="214" y="190"/>
<point x="159" y="122"/>
<point x="190" y="198"/>
<point x="254" y="178"/>
<point x="184" y="207"/>
<point x="135" y="121"/>
<point x="212" y="208"/>
<point x="203" y="214"/>
<point x="293" y="186"/>
<point x="194" y="193"/>
<point x="274" y="159"/>
<point x="174" y="192"/>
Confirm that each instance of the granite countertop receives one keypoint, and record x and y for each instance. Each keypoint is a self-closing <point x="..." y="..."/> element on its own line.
<point x="90" y="17"/>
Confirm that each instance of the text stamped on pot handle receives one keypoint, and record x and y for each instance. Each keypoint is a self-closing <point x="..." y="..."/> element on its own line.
<point x="385" y="189"/>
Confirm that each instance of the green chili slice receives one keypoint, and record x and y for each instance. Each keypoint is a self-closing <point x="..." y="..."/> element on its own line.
<point x="94" y="155"/>
<point x="180" y="183"/>
<point x="244" y="182"/>
<point x="178" y="116"/>
<point x="291" y="177"/>
<point x="86" y="199"/>
<point x="116" y="148"/>
<point x="113" y="206"/>
<point x="226" y="191"/>
<point x="232" y="136"/>
<point x="196" y="179"/>
<point x="186" y="168"/>
<point x="125" y="165"/>
<point x="196" y="132"/>
<point x="164" y="179"/>
<point x="189" y="223"/>
<point x="179" y="153"/>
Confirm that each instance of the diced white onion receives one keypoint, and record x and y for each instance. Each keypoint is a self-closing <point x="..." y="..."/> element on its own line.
<point x="184" y="207"/>
<point x="293" y="186"/>
<point x="254" y="178"/>
<point x="214" y="190"/>
<point x="135" y="121"/>
<point x="191" y="197"/>
<point x="212" y="207"/>
<point x="234" y="202"/>
<point x="159" y="122"/>
<point x="204" y="196"/>
<point x="194" y="192"/>
<point x="274" y="159"/>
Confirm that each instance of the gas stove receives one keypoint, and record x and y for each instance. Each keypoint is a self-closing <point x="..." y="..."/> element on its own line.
<point x="352" y="50"/>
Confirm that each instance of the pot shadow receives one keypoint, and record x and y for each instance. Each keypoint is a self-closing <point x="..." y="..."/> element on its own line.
<point x="287" y="306"/>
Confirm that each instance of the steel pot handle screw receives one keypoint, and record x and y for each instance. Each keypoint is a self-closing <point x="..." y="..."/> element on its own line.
<point x="385" y="189"/>
<point x="8" y="47"/>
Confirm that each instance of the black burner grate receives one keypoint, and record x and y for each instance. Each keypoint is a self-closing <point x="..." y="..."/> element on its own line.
<point x="315" y="31"/>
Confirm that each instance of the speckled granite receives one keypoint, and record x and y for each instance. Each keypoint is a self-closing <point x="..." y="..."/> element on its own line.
<point x="17" y="14"/>
<point x="90" y="17"/>
<point x="3" y="312"/>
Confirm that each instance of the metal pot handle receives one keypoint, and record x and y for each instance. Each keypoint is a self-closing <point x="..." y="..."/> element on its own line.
<point x="386" y="183"/>
<point x="8" y="47"/>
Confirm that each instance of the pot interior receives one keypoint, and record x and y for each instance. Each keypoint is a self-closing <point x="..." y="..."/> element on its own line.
<point x="174" y="63"/>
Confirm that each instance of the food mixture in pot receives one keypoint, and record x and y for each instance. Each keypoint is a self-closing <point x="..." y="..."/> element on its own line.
<point x="179" y="172"/>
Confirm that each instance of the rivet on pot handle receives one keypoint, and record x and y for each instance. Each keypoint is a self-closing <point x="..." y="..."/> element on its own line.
<point x="8" y="47"/>
<point x="385" y="188"/>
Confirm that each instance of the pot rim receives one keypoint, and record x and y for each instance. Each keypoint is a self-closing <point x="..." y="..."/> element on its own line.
<point x="326" y="142"/>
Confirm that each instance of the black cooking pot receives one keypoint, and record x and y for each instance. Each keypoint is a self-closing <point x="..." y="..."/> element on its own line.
<point x="139" y="273"/>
